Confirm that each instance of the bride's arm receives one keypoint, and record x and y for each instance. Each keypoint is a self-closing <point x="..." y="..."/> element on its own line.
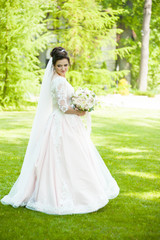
<point x="75" y="111"/>
<point x="61" y="94"/>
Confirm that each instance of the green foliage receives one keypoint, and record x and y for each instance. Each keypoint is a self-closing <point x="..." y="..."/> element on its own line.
<point x="154" y="60"/>
<point x="83" y="28"/>
<point x="122" y="52"/>
<point x="22" y="35"/>
<point x="98" y="76"/>
<point x="98" y="89"/>
<point x="97" y="80"/>
<point x="132" y="17"/>
<point x="75" y="78"/>
<point x="142" y="93"/>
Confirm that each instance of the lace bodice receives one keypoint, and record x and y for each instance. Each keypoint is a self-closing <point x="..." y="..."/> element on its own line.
<point x="61" y="92"/>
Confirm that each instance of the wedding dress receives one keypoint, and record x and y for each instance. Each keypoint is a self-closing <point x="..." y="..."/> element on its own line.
<point x="69" y="176"/>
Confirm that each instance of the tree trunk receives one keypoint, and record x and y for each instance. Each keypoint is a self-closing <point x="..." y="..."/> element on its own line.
<point x="145" y="46"/>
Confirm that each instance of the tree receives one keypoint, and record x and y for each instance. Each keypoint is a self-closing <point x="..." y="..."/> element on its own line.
<point x="132" y="19"/>
<point x="127" y="33"/>
<point x="129" y="21"/>
<point x="82" y="27"/>
<point x="153" y="81"/>
<point x="145" y="46"/>
<point x="22" y="35"/>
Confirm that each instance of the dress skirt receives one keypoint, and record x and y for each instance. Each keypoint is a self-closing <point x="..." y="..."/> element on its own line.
<point x="69" y="177"/>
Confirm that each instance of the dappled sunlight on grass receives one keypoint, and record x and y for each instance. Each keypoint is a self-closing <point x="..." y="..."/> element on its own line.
<point x="153" y="195"/>
<point x="129" y="150"/>
<point x="128" y="141"/>
<point x="142" y="174"/>
<point x="130" y="157"/>
<point x="16" y="136"/>
<point x="124" y="134"/>
<point x="147" y="123"/>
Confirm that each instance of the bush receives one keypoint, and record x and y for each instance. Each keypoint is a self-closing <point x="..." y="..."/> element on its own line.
<point x="141" y="93"/>
<point x="123" y="87"/>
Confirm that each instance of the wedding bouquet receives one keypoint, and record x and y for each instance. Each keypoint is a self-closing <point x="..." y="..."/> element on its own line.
<point x="84" y="100"/>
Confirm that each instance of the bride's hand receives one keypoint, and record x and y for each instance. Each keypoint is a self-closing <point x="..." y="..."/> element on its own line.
<point x="80" y="113"/>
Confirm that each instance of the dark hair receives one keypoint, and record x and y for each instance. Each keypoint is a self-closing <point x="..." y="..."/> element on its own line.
<point x="59" y="53"/>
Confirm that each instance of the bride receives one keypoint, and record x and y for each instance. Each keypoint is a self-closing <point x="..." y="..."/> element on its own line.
<point x="62" y="172"/>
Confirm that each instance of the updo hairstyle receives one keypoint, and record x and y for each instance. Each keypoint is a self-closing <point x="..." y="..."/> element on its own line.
<point x="59" y="53"/>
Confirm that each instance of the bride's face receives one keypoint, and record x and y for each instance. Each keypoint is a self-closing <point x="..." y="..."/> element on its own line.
<point x="61" y="67"/>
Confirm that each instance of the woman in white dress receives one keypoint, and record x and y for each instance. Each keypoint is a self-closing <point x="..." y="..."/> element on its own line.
<point x="62" y="172"/>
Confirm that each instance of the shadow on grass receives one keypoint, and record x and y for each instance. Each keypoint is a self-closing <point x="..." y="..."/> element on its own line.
<point x="123" y="218"/>
<point x="128" y="143"/>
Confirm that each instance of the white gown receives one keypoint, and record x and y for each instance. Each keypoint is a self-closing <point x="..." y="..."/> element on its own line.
<point x="69" y="176"/>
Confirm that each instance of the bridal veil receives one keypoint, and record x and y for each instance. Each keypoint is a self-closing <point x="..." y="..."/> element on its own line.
<point x="16" y="196"/>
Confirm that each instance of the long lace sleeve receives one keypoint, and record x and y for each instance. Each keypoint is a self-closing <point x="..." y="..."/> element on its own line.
<point x="61" y="94"/>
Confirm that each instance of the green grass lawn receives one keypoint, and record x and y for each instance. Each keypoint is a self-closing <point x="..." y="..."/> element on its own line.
<point x="129" y="143"/>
